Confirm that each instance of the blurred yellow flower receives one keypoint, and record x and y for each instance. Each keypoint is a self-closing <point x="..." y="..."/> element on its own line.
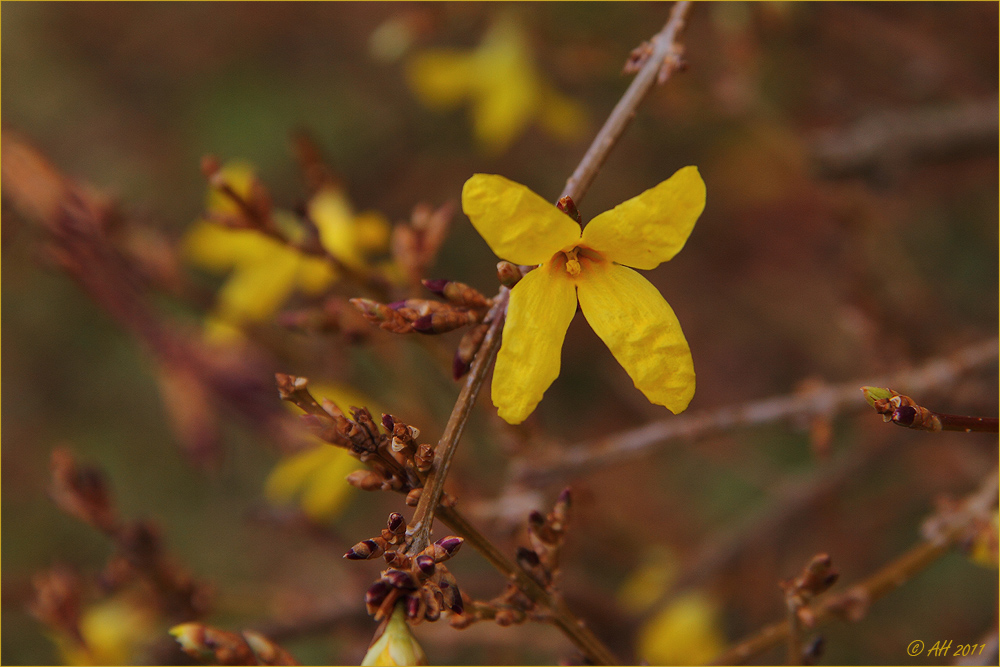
<point x="686" y="632"/>
<point x="623" y="308"/>
<point x="983" y="549"/>
<point x="501" y="83"/>
<point x="263" y="271"/>
<point x="315" y="479"/>
<point x="112" y="631"/>
<point x="647" y="582"/>
<point x="396" y="645"/>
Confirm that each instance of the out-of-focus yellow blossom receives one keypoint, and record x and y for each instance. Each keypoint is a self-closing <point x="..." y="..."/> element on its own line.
<point x="113" y="630"/>
<point x="501" y="83"/>
<point x="264" y="272"/>
<point x="315" y="479"/>
<point x="647" y="582"/>
<point x="396" y="645"/>
<point x="623" y="308"/>
<point x="984" y="550"/>
<point x="686" y="632"/>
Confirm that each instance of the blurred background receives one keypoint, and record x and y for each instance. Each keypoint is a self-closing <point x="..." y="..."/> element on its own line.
<point x="850" y="156"/>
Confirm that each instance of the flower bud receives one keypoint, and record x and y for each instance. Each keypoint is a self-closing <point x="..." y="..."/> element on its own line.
<point x="396" y="645"/>
<point x="508" y="273"/>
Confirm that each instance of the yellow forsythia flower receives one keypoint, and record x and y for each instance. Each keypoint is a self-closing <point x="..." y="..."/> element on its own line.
<point x="264" y="272"/>
<point x="501" y="83"/>
<point x="315" y="478"/>
<point x="396" y="645"/>
<point x="686" y="632"/>
<point x="113" y="630"/>
<point x="623" y="308"/>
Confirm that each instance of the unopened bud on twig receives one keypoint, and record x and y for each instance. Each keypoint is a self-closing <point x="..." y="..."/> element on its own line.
<point x="457" y="293"/>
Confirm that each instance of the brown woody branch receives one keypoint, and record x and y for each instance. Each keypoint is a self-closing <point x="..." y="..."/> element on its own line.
<point x="822" y="400"/>
<point x="949" y="530"/>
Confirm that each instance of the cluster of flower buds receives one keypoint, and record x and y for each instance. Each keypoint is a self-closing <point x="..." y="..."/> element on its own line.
<point x="463" y="306"/>
<point x="396" y="460"/>
<point x="817" y="577"/>
<point x="219" y="647"/>
<point x="546" y="533"/>
<point x="420" y="583"/>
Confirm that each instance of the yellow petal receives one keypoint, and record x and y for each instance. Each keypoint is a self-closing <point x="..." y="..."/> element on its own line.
<point x="317" y="477"/>
<point x="518" y="225"/>
<point x="541" y="307"/>
<point x="652" y="227"/>
<point x="253" y="293"/>
<point x="240" y="177"/>
<point x="687" y="632"/>
<point x="501" y="114"/>
<point x="334" y="219"/>
<point x="218" y="249"/>
<point x="441" y="78"/>
<point x="328" y="491"/>
<point x="641" y="330"/>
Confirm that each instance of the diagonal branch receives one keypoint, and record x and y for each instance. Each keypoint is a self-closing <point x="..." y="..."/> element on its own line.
<point x="822" y="400"/>
<point x="853" y="603"/>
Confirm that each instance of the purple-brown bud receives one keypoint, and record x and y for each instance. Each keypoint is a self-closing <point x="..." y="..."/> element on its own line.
<point x="396" y="523"/>
<point x="450" y="544"/>
<point x="457" y="293"/>
<point x="425" y="563"/>
<point x="376" y="595"/>
<point x="367" y="549"/>
<point x="400" y="579"/>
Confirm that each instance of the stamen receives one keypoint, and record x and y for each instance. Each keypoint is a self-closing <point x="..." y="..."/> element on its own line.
<point x="572" y="263"/>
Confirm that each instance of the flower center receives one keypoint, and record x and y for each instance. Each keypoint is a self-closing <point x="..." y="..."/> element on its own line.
<point x="577" y="259"/>
<point x="572" y="263"/>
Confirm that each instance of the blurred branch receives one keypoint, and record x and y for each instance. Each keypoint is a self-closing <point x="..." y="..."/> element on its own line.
<point x="890" y="137"/>
<point x="821" y="400"/>
<point x="949" y="530"/>
<point x="82" y="232"/>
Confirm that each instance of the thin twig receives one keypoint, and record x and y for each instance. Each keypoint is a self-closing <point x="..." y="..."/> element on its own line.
<point x="854" y="602"/>
<point x="822" y="400"/>
<point x="423" y="516"/>
<point x="661" y="63"/>
<point x="562" y="617"/>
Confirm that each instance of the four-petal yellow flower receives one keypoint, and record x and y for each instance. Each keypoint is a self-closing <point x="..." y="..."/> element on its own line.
<point x="623" y="308"/>
<point x="503" y="85"/>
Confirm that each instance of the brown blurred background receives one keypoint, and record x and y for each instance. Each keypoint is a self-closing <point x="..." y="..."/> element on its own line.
<point x="819" y="257"/>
